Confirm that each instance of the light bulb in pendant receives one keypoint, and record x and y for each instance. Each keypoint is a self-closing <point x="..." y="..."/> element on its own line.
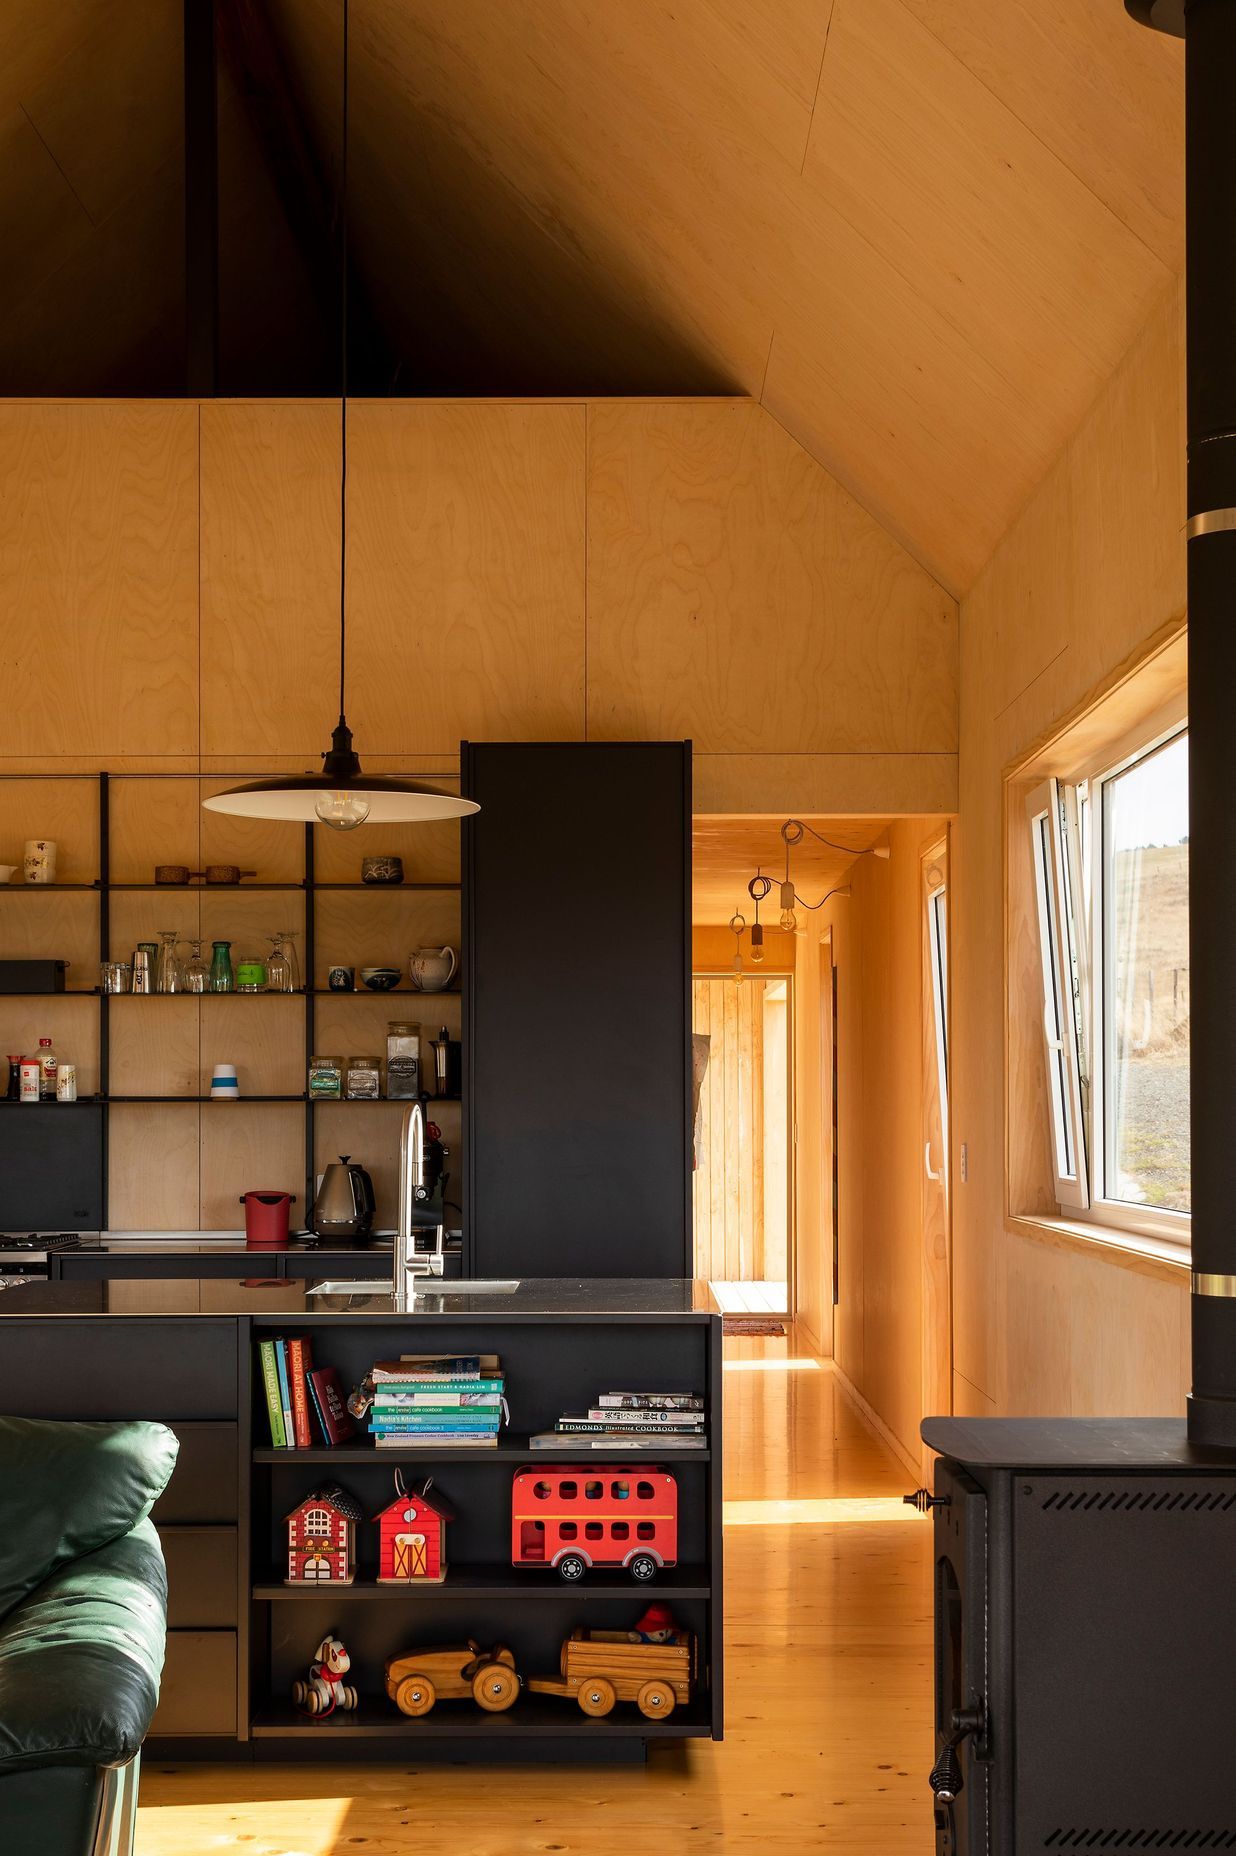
<point x="342" y="810"/>
<point x="738" y="972"/>
<point x="757" y="944"/>
<point x="789" y="921"/>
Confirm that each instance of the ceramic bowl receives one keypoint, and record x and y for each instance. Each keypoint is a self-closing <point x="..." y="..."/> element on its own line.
<point x="382" y="869"/>
<point x="380" y="979"/>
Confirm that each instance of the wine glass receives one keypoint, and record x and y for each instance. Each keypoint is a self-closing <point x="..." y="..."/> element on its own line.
<point x="284" y="945"/>
<point x="196" y="971"/>
<point x="169" y="976"/>
<point x="278" y="970"/>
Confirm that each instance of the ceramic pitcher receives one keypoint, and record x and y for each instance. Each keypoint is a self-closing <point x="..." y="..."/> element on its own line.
<point x="431" y="969"/>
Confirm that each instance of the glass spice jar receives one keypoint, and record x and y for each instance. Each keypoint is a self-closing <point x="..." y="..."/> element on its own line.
<point x="326" y="1078"/>
<point x="250" y="972"/>
<point x="403" y="1061"/>
<point x="364" y="1083"/>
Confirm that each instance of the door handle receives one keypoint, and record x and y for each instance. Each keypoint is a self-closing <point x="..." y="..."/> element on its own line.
<point x="931" y="1171"/>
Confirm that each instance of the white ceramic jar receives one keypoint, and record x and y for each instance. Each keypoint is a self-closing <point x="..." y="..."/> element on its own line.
<point x="39" y="861"/>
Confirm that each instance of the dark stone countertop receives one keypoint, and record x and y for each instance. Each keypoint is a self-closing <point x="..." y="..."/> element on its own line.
<point x="536" y="1298"/>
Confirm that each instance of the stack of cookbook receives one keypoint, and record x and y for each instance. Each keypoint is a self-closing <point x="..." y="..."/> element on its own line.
<point x="436" y="1401"/>
<point x="630" y="1421"/>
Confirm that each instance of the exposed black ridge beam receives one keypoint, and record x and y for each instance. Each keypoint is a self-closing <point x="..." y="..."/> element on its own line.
<point x="201" y="199"/>
<point x="306" y="193"/>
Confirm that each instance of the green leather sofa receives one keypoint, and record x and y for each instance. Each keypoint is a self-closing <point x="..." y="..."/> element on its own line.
<point x="83" y="1614"/>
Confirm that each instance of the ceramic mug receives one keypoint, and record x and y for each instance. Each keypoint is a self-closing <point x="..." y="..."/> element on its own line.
<point x="39" y="862"/>
<point x="341" y="979"/>
<point x="431" y="969"/>
<point x="6" y="872"/>
<point x="223" y="1084"/>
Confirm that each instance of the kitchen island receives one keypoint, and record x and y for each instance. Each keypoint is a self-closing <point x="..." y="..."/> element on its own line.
<point x="184" y="1351"/>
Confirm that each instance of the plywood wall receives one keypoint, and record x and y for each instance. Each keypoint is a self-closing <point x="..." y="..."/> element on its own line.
<point x="534" y="570"/>
<point x="1091" y="574"/>
<point x="524" y="570"/>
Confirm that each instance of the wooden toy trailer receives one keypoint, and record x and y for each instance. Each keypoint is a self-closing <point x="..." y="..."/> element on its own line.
<point x="602" y="1667"/>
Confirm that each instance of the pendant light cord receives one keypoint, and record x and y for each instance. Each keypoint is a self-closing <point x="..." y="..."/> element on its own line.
<point x="343" y="376"/>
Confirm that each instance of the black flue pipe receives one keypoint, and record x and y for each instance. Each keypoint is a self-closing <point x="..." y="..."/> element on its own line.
<point x="1208" y="28"/>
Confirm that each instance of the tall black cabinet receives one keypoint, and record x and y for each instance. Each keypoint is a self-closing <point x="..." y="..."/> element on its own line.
<point x="577" y="958"/>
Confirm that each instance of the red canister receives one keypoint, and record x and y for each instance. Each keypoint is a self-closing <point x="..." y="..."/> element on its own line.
<point x="266" y="1219"/>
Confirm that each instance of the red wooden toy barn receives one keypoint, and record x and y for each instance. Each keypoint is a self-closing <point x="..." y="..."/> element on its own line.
<point x="412" y="1537"/>
<point x="322" y="1539"/>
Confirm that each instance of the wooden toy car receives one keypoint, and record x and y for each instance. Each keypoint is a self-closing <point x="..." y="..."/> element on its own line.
<point x="601" y="1667"/>
<point x="419" y="1678"/>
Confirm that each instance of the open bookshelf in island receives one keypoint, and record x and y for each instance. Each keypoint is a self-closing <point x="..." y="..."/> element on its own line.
<point x="245" y="1625"/>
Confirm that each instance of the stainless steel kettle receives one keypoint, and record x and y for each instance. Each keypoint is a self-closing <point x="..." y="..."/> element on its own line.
<point x="343" y="1209"/>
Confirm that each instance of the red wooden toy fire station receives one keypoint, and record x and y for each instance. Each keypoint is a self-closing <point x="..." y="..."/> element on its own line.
<point x="322" y="1539"/>
<point x="574" y="1518"/>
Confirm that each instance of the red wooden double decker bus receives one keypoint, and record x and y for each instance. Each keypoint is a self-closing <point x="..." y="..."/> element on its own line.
<point x="573" y="1519"/>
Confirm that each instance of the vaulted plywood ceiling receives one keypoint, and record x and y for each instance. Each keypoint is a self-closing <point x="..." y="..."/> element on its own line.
<point x="922" y="232"/>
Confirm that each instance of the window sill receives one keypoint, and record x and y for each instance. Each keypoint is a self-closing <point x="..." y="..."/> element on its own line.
<point x="1149" y="1256"/>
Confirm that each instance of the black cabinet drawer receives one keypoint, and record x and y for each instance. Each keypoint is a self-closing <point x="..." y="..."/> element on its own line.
<point x="129" y="1367"/>
<point x="198" y="1694"/>
<point x="203" y="1487"/>
<point x="201" y="1577"/>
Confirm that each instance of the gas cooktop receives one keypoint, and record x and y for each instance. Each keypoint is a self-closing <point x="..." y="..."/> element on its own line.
<point x="25" y="1250"/>
<point x="42" y="1240"/>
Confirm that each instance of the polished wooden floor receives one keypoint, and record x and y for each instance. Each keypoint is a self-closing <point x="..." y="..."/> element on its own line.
<point x="828" y="1737"/>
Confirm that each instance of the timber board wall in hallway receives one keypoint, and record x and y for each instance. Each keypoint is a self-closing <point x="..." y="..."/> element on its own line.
<point x="877" y="948"/>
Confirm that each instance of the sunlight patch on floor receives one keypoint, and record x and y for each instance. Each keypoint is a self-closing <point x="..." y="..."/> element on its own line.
<point x="771" y="1366"/>
<point x="818" y="1512"/>
<point x="307" y="1827"/>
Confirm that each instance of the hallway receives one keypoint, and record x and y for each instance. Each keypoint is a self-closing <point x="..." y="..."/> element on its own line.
<point x="828" y="1679"/>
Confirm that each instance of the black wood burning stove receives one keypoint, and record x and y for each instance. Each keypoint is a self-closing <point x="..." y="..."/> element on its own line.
<point x="1086" y="1568"/>
<point x="1085" y="1597"/>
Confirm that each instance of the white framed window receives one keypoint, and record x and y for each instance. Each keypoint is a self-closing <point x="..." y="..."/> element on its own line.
<point x="1055" y="839"/>
<point x="1111" y="869"/>
<point x="937" y="943"/>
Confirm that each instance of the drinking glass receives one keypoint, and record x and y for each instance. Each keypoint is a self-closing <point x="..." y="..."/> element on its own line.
<point x="278" y="973"/>
<point x="284" y="945"/>
<point x="196" y="971"/>
<point x="169" y="976"/>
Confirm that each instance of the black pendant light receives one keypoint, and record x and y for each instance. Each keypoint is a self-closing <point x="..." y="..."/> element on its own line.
<point x="341" y="796"/>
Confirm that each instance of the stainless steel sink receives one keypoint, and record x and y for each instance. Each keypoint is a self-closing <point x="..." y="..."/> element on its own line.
<point x="421" y="1286"/>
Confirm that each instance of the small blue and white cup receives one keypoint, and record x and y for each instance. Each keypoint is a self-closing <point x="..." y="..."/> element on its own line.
<point x="223" y="1084"/>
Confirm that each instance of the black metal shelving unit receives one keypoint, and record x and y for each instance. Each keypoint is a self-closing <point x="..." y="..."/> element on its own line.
<point x="308" y="886"/>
